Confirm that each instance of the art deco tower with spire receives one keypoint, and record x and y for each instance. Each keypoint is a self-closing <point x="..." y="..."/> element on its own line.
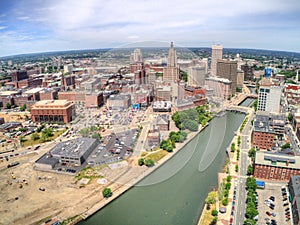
<point x="171" y="71"/>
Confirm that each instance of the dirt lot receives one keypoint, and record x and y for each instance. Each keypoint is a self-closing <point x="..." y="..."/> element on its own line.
<point x="14" y="116"/>
<point x="62" y="197"/>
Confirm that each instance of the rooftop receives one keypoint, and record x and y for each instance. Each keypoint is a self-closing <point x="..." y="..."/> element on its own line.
<point x="278" y="160"/>
<point x="73" y="148"/>
<point x="33" y="91"/>
<point x="51" y="103"/>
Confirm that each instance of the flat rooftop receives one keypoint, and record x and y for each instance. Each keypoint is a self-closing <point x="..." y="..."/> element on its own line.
<point x="52" y="104"/>
<point x="33" y="91"/>
<point x="73" y="148"/>
<point x="278" y="160"/>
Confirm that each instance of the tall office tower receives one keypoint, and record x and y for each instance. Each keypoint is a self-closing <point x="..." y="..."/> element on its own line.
<point x="171" y="71"/>
<point x="216" y="54"/>
<point x="136" y="56"/>
<point x="196" y="76"/>
<point x="228" y="69"/>
<point x="269" y="97"/>
<point x="137" y="66"/>
<point x="248" y="71"/>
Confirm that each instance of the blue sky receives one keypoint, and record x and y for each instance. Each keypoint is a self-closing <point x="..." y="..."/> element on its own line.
<point x="28" y="26"/>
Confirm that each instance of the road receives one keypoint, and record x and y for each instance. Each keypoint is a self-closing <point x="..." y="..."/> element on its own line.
<point x="242" y="175"/>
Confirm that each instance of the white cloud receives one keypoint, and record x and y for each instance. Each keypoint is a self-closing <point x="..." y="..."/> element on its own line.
<point x="94" y="23"/>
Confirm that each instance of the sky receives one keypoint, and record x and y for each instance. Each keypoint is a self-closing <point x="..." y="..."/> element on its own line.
<point x="30" y="26"/>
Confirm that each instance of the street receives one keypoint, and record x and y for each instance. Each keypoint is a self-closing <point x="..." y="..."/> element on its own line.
<point x="242" y="175"/>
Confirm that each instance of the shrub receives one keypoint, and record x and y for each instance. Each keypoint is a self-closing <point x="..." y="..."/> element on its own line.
<point x="225" y="201"/>
<point x="141" y="161"/>
<point x="106" y="192"/>
<point x="214" y="212"/>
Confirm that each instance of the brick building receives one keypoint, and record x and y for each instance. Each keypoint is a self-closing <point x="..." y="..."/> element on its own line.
<point x="162" y="122"/>
<point x="94" y="100"/>
<point x="275" y="166"/>
<point x="263" y="135"/>
<point x="294" y="197"/>
<point x="19" y="75"/>
<point x="53" y="111"/>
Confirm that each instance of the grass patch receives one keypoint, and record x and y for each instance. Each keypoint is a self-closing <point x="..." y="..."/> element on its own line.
<point x="206" y="215"/>
<point x="155" y="156"/>
<point x="144" y="154"/>
<point x="29" y="142"/>
<point x="90" y="173"/>
<point x="70" y="219"/>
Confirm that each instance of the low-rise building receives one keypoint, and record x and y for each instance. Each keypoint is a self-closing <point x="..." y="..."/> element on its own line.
<point x="119" y="102"/>
<point x="73" y="152"/>
<point x="162" y="106"/>
<point x="94" y="100"/>
<point x="275" y="166"/>
<point x="294" y="197"/>
<point x="153" y="137"/>
<point x="163" y="122"/>
<point x="52" y="111"/>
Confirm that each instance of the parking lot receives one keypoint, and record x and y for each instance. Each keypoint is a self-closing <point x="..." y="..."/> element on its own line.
<point x="113" y="148"/>
<point x="273" y="204"/>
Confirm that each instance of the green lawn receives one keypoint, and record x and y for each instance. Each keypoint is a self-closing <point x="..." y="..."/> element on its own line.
<point x="155" y="156"/>
<point x="29" y="142"/>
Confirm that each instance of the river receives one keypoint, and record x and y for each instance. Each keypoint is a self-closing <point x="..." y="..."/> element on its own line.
<point x="175" y="192"/>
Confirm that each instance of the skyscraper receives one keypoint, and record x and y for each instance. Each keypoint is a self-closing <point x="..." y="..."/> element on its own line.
<point x="137" y="66"/>
<point x="196" y="76"/>
<point x="269" y="97"/>
<point x="171" y="71"/>
<point x="216" y="54"/>
<point x="228" y="70"/>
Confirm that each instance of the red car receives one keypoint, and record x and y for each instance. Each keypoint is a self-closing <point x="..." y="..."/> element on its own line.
<point x="268" y="213"/>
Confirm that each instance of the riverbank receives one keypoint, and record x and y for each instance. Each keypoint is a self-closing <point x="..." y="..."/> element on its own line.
<point x="224" y="218"/>
<point x="118" y="189"/>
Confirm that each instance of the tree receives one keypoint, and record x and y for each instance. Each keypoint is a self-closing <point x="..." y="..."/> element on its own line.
<point x="40" y="128"/>
<point x="251" y="183"/>
<point x="211" y="198"/>
<point x="214" y="212"/>
<point x="191" y="125"/>
<point x="23" y="108"/>
<point x="236" y="168"/>
<point x="251" y="211"/>
<point x="254" y="105"/>
<point x="96" y="135"/>
<point x="228" y="186"/>
<point x="239" y="140"/>
<point x="249" y="222"/>
<point x="149" y="162"/>
<point x="141" y="161"/>
<point x="232" y="148"/>
<point x="214" y="221"/>
<point x="228" y="179"/>
<point x="249" y="170"/>
<point x="251" y="153"/>
<point x="35" y="136"/>
<point x="85" y="132"/>
<point x="106" y="192"/>
<point x="8" y="105"/>
<point x="163" y="144"/>
<point x="286" y="145"/>
<point x="290" y="117"/>
<point x="225" y="201"/>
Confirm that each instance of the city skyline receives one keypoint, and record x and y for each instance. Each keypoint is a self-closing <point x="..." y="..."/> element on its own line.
<point x="42" y="26"/>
